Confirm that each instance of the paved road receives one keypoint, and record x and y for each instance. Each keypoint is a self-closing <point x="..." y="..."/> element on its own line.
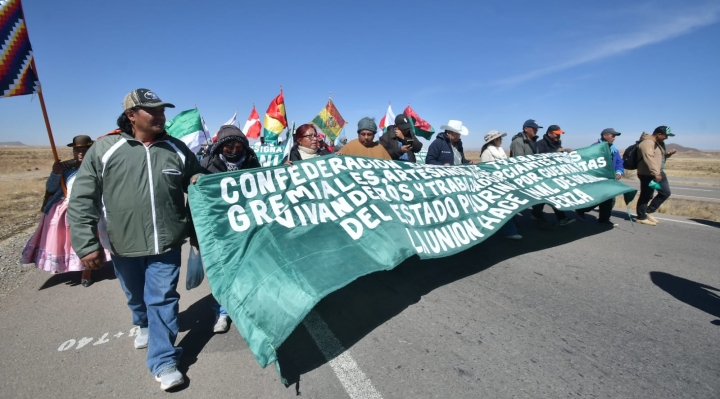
<point x="580" y="311"/>
<point x="682" y="189"/>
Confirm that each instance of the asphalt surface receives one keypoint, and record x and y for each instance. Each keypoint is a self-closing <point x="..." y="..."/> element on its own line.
<point x="688" y="189"/>
<point x="581" y="311"/>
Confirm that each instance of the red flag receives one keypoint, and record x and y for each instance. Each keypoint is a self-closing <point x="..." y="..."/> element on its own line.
<point x="253" y="127"/>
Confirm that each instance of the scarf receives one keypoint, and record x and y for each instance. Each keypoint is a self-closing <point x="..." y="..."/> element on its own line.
<point x="306" y="153"/>
<point x="232" y="165"/>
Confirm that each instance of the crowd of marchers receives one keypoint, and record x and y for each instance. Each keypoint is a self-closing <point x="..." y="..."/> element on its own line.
<point x="121" y="200"/>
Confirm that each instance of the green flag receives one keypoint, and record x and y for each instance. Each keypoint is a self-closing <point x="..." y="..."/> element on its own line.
<point x="259" y="230"/>
<point x="186" y="126"/>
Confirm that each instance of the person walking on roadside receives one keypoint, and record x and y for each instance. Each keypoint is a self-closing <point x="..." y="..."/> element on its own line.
<point x="141" y="175"/>
<point x="400" y="141"/>
<point x="447" y="149"/>
<point x="49" y="247"/>
<point x="306" y="145"/>
<point x="551" y="142"/>
<point x="607" y="137"/>
<point x="365" y="145"/>
<point x="651" y="168"/>
<point x="492" y="151"/>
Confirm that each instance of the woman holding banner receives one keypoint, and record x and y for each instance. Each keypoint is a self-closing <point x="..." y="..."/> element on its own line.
<point x="306" y="145"/>
<point x="231" y="152"/>
<point x="49" y="247"/>
<point x="492" y="151"/>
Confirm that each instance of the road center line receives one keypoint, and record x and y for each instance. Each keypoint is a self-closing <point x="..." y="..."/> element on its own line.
<point x="694" y="189"/>
<point x="356" y="384"/>
<point x="683" y="221"/>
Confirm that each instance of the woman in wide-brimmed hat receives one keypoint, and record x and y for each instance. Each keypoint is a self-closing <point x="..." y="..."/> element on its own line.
<point x="49" y="247"/>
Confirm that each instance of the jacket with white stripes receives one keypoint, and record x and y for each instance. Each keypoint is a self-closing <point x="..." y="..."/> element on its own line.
<point x="141" y="190"/>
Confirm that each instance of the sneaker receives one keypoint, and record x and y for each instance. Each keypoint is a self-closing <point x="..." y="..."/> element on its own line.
<point x="514" y="237"/>
<point x="607" y="223"/>
<point x="566" y="221"/>
<point x="645" y="221"/>
<point x="580" y="215"/>
<point x="169" y="378"/>
<point x="141" y="341"/>
<point x="221" y="325"/>
<point x="652" y="219"/>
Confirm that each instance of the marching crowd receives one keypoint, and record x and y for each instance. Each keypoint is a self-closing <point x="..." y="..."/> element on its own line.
<point x="122" y="199"/>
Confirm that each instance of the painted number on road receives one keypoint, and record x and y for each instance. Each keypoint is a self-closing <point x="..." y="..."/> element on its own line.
<point x="77" y="344"/>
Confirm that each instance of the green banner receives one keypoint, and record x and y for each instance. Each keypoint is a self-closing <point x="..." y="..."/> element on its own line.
<point x="276" y="240"/>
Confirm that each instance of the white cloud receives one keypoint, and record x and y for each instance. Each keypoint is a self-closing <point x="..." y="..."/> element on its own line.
<point x="673" y="24"/>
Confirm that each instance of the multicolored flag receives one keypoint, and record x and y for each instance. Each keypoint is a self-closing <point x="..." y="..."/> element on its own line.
<point x="231" y="121"/>
<point x="188" y="127"/>
<point x="275" y="119"/>
<point x="330" y="121"/>
<point x="388" y="119"/>
<point x="422" y="128"/>
<point x="17" y="76"/>
<point x="253" y="127"/>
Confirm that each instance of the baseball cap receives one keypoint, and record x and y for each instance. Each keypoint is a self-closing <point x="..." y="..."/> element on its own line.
<point x="664" y="130"/>
<point x="144" y="98"/>
<point x="555" y="129"/>
<point x="403" y="122"/>
<point x="610" y="131"/>
<point x="531" y="123"/>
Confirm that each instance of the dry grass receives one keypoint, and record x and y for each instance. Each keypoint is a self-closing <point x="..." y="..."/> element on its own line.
<point x="680" y="207"/>
<point x="28" y="159"/>
<point x="23" y="172"/>
<point x="693" y="166"/>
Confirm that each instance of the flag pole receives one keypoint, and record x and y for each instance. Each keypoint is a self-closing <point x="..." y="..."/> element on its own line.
<point x="204" y="134"/>
<point x="47" y="123"/>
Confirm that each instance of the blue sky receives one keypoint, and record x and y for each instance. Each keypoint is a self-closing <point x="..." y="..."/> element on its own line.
<point x="582" y="65"/>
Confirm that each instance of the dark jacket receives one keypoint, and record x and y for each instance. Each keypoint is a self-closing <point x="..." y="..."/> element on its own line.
<point x="228" y="133"/>
<point x="295" y="154"/>
<point x="545" y="145"/>
<point x="390" y="142"/>
<point x="440" y="151"/>
<point x="520" y="145"/>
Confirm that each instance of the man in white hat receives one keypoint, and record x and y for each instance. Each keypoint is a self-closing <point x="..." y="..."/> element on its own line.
<point x="447" y="148"/>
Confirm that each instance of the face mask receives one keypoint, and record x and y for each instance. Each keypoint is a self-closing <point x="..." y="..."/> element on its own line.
<point x="232" y="156"/>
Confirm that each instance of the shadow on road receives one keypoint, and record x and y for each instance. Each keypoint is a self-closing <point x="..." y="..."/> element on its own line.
<point x="73" y="278"/>
<point x="357" y="309"/>
<point x="198" y="320"/>
<point x="706" y="222"/>
<point x="697" y="295"/>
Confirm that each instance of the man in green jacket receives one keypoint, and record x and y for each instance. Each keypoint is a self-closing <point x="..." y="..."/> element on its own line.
<point x="138" y="176"/>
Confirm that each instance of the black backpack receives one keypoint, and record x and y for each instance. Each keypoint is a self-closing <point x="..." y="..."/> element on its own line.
<point x="631" y="157"/>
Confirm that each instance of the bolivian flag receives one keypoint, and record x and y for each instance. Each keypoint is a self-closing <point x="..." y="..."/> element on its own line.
<point x="275" y="119"/>
<point x="330" y="121"/>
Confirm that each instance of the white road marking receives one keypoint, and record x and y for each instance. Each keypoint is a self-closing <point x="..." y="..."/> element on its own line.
<point x="691" y="196"/>
<point x="676" y="221"/>
<point x="356" y="384"/>
<point x="695" y="189"/>
<point x="684" y="221"/>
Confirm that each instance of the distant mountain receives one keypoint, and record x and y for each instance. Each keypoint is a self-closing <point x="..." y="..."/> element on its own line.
<point x="11" y="144"/>
<point x="679" y="148"/>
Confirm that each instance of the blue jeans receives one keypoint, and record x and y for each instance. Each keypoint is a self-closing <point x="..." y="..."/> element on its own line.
<point x="150" y="284"/>
<point x="219" y="310"/>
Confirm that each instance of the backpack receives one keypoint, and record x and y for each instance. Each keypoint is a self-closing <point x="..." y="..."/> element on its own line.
<point x="631" y="157"/>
